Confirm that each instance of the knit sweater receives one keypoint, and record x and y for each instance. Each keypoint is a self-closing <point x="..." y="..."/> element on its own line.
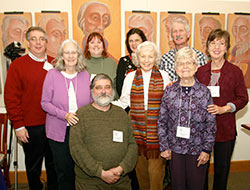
<point x="101" y="65"/>
<point x="92" y="146"/>
<point x="23" y="90"/>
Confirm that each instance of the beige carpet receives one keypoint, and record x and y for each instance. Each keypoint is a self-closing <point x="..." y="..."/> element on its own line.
<point x="236" y="181"/>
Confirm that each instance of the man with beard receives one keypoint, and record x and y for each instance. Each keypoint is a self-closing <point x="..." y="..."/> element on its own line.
<point x="180" y="32"/>
<point x="241" y="50"/>
<point x="102" y="143"/>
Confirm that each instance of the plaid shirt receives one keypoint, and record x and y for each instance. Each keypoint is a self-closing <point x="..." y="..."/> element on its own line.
<point x="167" y="62"/>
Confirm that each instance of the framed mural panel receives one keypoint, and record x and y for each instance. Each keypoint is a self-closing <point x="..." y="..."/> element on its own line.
<point x="239" y="53"/>
<point x="13" y="28"/>
<point x="166" y="41"/>
<point x="204" y="24"/>
<point x="146" y="21"/>
<point x="102" y="16"/>
<point x="56" y="27"/>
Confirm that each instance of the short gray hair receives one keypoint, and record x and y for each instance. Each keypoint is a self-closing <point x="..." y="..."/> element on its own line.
<point x="59" y="62"/>
<point x="135" y="55"/>
<point x="35" y="28"/>
<point x="99" y="77"/>
<point x="186" y="53"/>
<point x="181" y="20"/>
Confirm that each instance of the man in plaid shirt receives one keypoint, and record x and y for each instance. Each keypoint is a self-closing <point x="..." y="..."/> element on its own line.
<point x="180" y="32"/>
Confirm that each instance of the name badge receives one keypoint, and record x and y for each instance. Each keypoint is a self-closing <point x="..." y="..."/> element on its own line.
<point x="47" y="66"/>
<point x="92" y="76"/>
<point x="117" y="136"/>
<point x="183" y="132"/>
<point x="215" y="91"/>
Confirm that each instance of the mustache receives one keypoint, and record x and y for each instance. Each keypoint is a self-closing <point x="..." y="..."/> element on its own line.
<point x="104" y="95"/>
<point x="179" y="37"/>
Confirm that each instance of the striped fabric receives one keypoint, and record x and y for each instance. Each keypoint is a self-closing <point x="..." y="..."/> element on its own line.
<point x="145" y="122"/>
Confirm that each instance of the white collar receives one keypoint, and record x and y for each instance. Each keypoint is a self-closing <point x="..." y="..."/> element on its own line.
<point x="32" y="56"/>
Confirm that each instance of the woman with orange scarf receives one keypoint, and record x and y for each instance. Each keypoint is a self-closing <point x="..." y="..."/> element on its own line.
<point x="142" y="91"/>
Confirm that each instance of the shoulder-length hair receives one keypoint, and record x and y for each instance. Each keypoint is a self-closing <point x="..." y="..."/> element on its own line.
<point x="135" y="56"/>
<point x="59" y="62"/>
<point x="218" y="34"/>
<point x="131" y="32"/>
<point x="87" y="54"/>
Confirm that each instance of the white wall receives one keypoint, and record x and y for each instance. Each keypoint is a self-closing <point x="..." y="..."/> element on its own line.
<point x="242" y="150"/>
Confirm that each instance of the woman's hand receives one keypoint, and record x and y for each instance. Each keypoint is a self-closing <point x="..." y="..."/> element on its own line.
<point x="203" y="158"/>
<point x="71" y="118"/>
<point x="214" y="109"/>
<point x="166" y="154"/>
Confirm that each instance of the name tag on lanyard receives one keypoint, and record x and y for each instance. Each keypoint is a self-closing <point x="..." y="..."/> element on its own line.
<point x="183" y="132"/>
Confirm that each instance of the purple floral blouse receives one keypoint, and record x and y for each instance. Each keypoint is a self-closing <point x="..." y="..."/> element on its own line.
<point x="179" y="108"/>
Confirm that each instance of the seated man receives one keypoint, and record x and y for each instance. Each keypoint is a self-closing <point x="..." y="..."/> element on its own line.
<point x="102" y="143"/>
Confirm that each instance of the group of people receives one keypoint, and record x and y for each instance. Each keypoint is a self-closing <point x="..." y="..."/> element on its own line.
<point x="70" y="110"/>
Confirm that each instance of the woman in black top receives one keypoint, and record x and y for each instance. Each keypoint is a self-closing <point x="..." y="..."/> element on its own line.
<point x="135" y="36"/>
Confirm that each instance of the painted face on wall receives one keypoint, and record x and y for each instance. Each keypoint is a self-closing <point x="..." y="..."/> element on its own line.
<point x="97" y="18"/>
<point x="16" y="31"/>
<point x="56" y="32"/>
<point x="206" y="26"/>
<point x="241" y="32"/>
<point x="171" y="44"/>
<point x="144" y="23"/>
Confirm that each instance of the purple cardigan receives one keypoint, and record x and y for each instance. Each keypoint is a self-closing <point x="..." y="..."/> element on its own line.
<point x="55" y="100"/>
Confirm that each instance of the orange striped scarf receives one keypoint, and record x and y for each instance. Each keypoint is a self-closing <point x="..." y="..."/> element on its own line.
<point x="145" y="122"/>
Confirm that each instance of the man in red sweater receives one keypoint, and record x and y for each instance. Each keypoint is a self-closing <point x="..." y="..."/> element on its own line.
<point x="22" y="96"/>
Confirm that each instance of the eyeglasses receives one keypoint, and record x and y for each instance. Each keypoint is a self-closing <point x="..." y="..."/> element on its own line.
<point x="217" y="44"/>
<point x="70" y="52"/>
<point x="187" y="63"/>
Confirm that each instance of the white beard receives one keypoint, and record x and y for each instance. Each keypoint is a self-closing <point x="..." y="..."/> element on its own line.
<point x="244" y="48"/>
<point x="103" y="100"/>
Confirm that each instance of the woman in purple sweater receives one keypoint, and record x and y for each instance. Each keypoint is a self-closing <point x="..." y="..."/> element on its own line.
<point x="66" y="88"/>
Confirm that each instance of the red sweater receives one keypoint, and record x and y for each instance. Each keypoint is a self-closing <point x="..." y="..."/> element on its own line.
<point x="232" y="89"/>
<point x="23" y="91"/>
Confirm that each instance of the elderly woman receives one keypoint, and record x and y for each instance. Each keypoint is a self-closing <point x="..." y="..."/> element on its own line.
<point x="65" y="89"/>
<point x="96" y="57"/>
<point x="186" y="130"/>
<point x="142" y="91"/>
<point x="135" y="36"/>
<point x="229" y="93"/>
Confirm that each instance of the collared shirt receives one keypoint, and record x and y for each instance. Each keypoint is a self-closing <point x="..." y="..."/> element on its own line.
<point x="202" y="124"/>
<point x="167" y="62"/>
<point x="32" y="56"/>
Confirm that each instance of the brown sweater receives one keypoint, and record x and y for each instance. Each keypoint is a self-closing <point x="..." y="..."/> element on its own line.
<point x="92" y="146"/>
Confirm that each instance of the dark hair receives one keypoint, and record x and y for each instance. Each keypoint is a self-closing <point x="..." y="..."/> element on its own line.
<point x="92" y="35"/>
<point x="99" y="77"/>
<point x="33" y="28"/>
<point x="131" y="32"/>
<point x="218" y="34"/>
